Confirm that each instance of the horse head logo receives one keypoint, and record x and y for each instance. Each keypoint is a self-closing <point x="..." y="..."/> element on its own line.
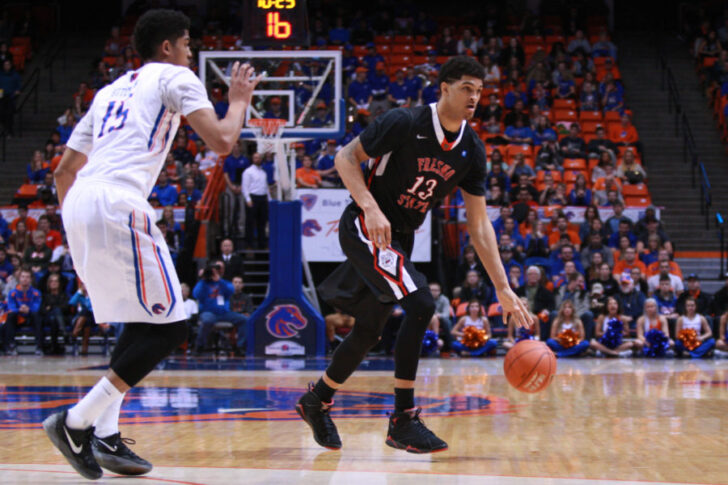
<point x="310" y="227"/>
<point x="284" y="321"/>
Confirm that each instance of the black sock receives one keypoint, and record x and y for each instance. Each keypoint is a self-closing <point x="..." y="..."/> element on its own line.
<point x="323" y="391"/>
<point x="404" y="399"/>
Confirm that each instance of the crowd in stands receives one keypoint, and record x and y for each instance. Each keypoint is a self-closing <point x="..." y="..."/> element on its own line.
<point x="557" y="133"/>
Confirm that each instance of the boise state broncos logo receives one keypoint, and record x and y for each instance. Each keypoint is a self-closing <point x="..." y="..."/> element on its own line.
<point x="158" y="308"/>
<point x="284" y="321"/>
<point x="308" y="201"/>
<point x="310" y="227"/>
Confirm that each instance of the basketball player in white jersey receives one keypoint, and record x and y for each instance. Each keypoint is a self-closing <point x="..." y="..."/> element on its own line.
<point x="106" y="174"/>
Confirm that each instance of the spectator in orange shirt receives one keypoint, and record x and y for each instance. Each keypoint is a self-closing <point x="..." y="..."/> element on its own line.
<point x="562" y="227"/>
<point x="57" y="158"/>
<point x="663" y="255"/>
<point x="82" y="99"/>
<point x="53" y="238"/>
<point x="30" y="223"/>
<point x="630" y="261"/>
<point x="307" y="176"/>
<point x="624" y="134"/>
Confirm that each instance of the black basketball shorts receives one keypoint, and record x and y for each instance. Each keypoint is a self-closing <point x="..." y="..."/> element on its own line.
<point x="388" y="274"/>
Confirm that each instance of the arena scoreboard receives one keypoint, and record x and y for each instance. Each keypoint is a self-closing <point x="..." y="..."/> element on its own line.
<point x="275" y="23"/>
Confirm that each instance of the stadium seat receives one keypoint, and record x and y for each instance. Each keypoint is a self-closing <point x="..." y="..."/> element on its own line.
<point x="564" y="104"/>
<point x="512" y="150"/>
<point x="575" y="164"/>
<point x="564" y="115"/>
<point x="382" y="39"/>
<point x="612" y="116"/>
<point x="590" y="116"/>
<point x="638" y="201"/>
<point x="403" y="39"/>
<point x="402" y="49"/>
<point x="635" y="190"/>
<point x="589" y="126"/>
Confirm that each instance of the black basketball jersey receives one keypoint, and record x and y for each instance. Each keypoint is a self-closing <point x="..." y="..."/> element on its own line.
<point x="414" y="166"/>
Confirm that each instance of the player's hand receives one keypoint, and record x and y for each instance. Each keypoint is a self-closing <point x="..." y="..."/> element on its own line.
<point x="378" y="227"/>
<point x="513" y="306"/>
<point x="242" y="83"/>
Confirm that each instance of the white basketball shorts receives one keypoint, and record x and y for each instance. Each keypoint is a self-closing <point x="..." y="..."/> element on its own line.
<point x="120" y="254"/>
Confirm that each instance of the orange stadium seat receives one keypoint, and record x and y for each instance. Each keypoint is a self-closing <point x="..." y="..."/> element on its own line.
<point x="590" y="116"/>
<point x="567" y="104"/>
<point x="564" y="115"/>
<point x="403" y="39"/>
<point x="384" y="49"/>
<point x="512" y="150"/>
<point x="612" y="116"/>
<point x="27" y="191"/>
<point x="382" y="39"/>
<point x="589" y="127"/>
<point x="638" y="201"/>
<point x="402" y="49"/>
<point x="635" y="190"/>
<point x="575" y="164"/>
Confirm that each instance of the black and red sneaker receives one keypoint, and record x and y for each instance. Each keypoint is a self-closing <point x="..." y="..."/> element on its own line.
<point x="408" y="432"/>
<point x="316" y="414"/>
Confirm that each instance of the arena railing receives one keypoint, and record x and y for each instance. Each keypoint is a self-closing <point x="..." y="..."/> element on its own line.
<point x="720" y="223"/>
<point x="30" y="89"/>
<point x="56" y="51"/>
<point x="690" y="149"/>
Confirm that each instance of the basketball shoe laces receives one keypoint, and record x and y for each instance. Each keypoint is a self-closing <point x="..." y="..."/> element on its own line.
<point x="416" y="425"/>
<point x="122" y="443"/>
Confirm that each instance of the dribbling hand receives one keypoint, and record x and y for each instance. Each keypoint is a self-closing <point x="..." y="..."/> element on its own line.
<point x="513" y="306"/>
<point x="242" y="83"/>
<point x="378" y="227"/>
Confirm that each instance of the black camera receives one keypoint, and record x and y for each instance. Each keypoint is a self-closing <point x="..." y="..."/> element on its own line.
<point x="209" y="272"/>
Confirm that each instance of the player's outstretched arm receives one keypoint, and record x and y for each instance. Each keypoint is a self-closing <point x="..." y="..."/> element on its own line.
<point x="65" y="174"/>
<point x="483" y="238"/>
<point x="221" y="135"/>
<point x="348" y="163"/>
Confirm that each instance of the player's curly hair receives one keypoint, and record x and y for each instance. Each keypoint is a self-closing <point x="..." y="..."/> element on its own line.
<point x="156" y="26"/>
<point x="457" y="67"/>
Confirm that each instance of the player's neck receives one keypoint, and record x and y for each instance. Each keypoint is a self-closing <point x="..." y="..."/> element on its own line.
<point x="449" y="122"/>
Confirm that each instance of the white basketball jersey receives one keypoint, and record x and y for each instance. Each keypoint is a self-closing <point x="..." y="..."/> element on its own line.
<point x="132" y="122"/>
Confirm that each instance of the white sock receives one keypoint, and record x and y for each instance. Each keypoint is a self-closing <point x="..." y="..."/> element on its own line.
<point x="108" y="423"/>
<point x="100" y="397"/>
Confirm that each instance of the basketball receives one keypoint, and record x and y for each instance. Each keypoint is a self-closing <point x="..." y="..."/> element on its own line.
<point x="530" y="366"/>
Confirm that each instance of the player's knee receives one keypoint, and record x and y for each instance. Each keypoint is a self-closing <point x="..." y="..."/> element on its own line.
<point x="419" y="305"/>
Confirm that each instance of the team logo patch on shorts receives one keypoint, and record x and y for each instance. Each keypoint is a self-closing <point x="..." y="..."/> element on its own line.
<point x="285" y="321"/>
<point x="158" y="308"/>
<point x="25" y="407"/>
<point x="388" y="260"/>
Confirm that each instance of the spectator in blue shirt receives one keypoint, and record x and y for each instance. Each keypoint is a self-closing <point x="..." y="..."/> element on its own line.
<point x="349" y="62"/>
<point x="213" y="297"/>
<point x="666" y="299"/>
<point x="234" y="165"/>
<point x="325" y="166"/>
<point x="431" y="92"/>
<point x="564" y="82"/>
<point x="321" y="116"/>
<point x="24" y="301"/>
<point x="519" y="133"/>
<point x="10" y="86"/>
<point x="360" y="92"/>
<point x="190" y="193"/>
<point x="339" y="34"/>
<point x="5" y="231"/>
<point x="6" y="267"/>
<point x="67" y="127"/>
<point x="275" y="109"/>
<point x="624" y="230"/>
<point x="372" y="57"/>
<point x="166" y="194"/>
<point x="414" y="85"/>
<point x="379" y="82"/>
<point x="398" y="91"/>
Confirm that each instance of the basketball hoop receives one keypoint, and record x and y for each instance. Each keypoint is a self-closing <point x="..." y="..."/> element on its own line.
<point x="267" y="132"/>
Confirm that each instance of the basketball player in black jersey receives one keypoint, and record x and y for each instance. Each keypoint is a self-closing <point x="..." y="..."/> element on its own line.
<point x="416" y="158"/>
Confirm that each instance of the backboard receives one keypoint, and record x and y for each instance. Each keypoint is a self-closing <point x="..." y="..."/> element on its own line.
<point x="302" y="87"/>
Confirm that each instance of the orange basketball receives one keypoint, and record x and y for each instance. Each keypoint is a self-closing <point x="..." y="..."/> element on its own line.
<point x="530" y="366"/>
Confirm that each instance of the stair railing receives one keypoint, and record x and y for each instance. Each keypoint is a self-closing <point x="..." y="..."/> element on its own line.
<point x="29" y="89"/>
<point x="720" y="223"/>
<point x="690" y="149"/>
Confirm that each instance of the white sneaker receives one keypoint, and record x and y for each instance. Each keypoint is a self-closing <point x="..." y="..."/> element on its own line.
<point x="625" y="353"/>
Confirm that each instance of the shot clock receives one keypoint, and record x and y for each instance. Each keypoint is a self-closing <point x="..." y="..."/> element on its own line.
<point x="275" y="23"/>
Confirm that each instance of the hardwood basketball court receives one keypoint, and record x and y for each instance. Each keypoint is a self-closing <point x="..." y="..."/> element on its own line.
<point x="232" y="421"/>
